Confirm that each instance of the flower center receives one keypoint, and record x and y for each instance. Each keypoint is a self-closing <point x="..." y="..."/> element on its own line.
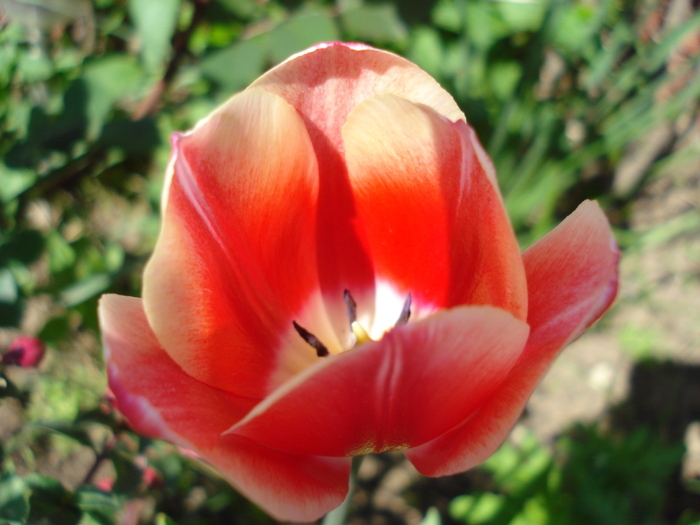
<point x="361" y="335"/>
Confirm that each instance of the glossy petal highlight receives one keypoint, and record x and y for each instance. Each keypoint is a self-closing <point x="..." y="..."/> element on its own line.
<point x="420" y="380"/>
<point x="162" y="401"/>
<point x="572" y="279"/>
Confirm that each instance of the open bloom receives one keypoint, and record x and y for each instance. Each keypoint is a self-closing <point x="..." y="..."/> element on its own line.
<point x="336" y="275"/>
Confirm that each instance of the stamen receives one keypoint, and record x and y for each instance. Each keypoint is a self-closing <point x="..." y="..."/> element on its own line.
<point x="405" y="312"/>
<point x="361" y="335"/>
<point x="350" y="306"/>
<point x="311" y="339"/>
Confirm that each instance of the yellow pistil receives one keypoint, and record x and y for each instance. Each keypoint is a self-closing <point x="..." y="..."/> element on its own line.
<point x="361" y="335"/>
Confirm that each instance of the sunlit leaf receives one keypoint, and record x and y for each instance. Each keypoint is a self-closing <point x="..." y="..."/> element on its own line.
<point x="237" y="65"/>
<point x="379" y="24"/>
<point x="61" y="254"/>
<point x="448" y="15"/>
<point x="523" y="16"/>
<point x="14" y="182"/>
<point x="426" y="50"/>
<point x="8" y="287"/>
<point x="299" y="33"/>
<point x="478" y="509"/>
<point x="101" y="507"/>
<point x="432" y="517"/>
<point x="155" y="21"/>
<point x="86" y="289"/>
<point x="14" y="500"/>
<point x="108" y="80"/>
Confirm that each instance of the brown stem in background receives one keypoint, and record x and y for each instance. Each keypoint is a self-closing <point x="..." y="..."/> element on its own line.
<point x="99" y="459"/>
<point x="180" y="41"/>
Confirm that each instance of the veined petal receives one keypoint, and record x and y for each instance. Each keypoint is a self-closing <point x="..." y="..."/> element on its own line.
<point x="324" y="84"/>
<point x="435" y="224"/>
<point x="162" y="401"/>
<point x="235" y="261"/>
<point x="572" y="279"/>
<point x="419" y="381"/>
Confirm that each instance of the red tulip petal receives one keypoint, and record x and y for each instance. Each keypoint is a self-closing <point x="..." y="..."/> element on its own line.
<point x="435" y="223"/>
<point x="572" y="279"/>
<point x="162" y="401"/>
<point x="235" y="260"/>
<point x="324" y="84"/>
<point x="419" y="381"/>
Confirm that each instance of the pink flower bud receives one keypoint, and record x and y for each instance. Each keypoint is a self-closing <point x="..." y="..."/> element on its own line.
<point x="25" y="351"/>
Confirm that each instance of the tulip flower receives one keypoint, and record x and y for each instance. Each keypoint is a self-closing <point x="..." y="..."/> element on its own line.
<point x="335" y="276"/>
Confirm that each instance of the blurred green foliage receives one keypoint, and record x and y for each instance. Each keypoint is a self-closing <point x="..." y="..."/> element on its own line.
<point x="89" y="94"/>
<point x="592" y="477"/>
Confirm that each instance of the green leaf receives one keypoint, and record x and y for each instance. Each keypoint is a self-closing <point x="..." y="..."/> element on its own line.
<point x="86" y="289"/>
<point x="162" y="519"/>
<point x="432" y="517"/>
<point x="70" y="430"/>
<point x="55" y="331"/>
<point x="238" y="65"/>
<point x="61" y="254"/>
<point x="503" y="78"/>
<point x="14" y="182"/>
<point x="484" y="25"/>
<point x="448" y="15"/>
<point x="25" y="246"/>
<point x="33" y="66"/>
<point x="155" y="21"/>
<point x="378" y="24"/>
<point x="113" y="257"/>
<point x="8" y="287"/>
<point x="101" y="507"/>
<point x="523" y="16"/>
<point x="477" y="509"/>
<point x="50" y="502"/>
<point x="136" y="138"/>
<point x="129" y="476"/>
<point x="426" y="50"/>
<point x="240" y="8"/>
<point x="8" y="58"/>
<point x="574" y="27"/>
<point x="299" y="33"/>
<point x="14" y="500"/>
<point x="107" y="81"/>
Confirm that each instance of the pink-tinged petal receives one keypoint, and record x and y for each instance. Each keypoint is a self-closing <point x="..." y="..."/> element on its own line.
<point x="419" y="381"/>
<point x="581" y="255"/>
<point x="324" y="84"/>
<point x="435" y="224"/>
<point x="162" y="401"/>
<point x="572" y="279"/>
<point x="235" y="261"/>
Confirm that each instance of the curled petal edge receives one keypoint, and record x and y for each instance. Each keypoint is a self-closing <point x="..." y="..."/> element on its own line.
<point x="583" y="256"/>
<point x="162" y="401"/>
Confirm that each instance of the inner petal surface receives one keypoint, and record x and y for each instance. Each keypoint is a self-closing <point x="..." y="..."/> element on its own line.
<point x="324" y="84"/>
<point x="435" y="223"/>
<point x="235" y="261"/>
